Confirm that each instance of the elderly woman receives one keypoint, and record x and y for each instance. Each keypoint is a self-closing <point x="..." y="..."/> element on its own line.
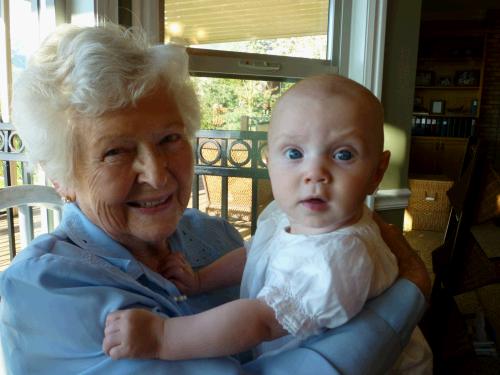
<point x="110" y="120"/>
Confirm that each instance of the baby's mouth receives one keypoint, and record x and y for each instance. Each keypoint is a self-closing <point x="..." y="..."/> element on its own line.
<point x="314" y="200"/>
<point x="315" y="204"/>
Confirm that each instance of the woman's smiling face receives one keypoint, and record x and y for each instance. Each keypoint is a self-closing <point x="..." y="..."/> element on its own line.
<point x="133" y="171"/>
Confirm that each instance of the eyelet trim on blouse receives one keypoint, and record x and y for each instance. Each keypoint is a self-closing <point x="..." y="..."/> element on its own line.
<point x="289" y="312"/>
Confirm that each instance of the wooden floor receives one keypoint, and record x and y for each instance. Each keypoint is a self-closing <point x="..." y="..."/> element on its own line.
<point x="4" y="241"/>
<point x="4" y="236"/>
<point x="485" y="299"/>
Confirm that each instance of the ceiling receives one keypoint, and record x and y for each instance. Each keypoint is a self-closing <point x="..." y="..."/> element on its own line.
<point x="213" y="21"/>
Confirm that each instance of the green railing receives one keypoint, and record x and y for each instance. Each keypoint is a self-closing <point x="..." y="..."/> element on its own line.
<point x="230" y="166"/>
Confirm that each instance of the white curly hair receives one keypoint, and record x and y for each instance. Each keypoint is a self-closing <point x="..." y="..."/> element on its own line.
<point x="86" y="72"/>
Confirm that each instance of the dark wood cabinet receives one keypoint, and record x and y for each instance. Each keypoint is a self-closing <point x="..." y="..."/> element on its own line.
<point x="437" y="156"/>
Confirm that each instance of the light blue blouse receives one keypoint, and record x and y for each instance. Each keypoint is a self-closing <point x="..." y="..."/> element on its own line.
<point x="58" y="291"/>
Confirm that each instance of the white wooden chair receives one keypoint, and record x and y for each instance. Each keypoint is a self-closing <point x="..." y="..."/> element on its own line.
<point x="24" y="196"/>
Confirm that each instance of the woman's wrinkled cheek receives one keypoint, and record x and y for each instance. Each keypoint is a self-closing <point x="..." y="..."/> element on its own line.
<point x="108" y="201"/>
<point x="113" y="220"/>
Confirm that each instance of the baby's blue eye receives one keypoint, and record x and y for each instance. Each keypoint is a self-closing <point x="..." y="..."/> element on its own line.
<point x="343" y="155"/>
<point x="293" y="153"/>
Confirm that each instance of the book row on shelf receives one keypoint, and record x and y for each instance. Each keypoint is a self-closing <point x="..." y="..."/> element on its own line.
<point x="462" y="127"/>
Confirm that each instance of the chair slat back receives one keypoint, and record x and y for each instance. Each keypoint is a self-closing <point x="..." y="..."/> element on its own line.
<point x="22" y="198"/>
<point x="14" y="196"/>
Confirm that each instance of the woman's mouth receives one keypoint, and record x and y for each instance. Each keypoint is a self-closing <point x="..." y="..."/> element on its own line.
<point x="150" y="204"/>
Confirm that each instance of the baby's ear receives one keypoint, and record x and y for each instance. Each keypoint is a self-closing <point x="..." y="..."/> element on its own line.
<point x="382" y="166"/>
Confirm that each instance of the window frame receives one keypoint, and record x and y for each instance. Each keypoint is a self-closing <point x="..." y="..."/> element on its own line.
<point x="5" y="62"/>
<point x="242" y="65"/>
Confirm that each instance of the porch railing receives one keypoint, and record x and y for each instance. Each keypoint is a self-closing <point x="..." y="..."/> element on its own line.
<point x="241" y="189"/>
<point x="12" y="159"/>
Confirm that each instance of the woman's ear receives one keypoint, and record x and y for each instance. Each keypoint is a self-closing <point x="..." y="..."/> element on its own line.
<point x="377" y="176"/>
<point x="66" y="193"/>
<point x="265" y="154"/>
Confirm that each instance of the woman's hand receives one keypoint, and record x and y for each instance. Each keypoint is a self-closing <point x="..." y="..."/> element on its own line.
<point x="411" y="267"/>
<point x="178" y="270"/>
<point x="134" y="333"/>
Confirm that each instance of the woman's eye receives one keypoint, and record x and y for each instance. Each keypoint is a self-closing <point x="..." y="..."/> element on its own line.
<point x="112" y="152"/>
<point x="293" y="153"/>
<point x="343" y="155"/>
<point x="171" y="138"/>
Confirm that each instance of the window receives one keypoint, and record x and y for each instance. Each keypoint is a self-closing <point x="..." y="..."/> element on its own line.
<point x="24" y="24"/>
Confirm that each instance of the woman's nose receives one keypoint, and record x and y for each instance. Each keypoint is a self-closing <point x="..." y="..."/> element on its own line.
<point x="152" y="169"/>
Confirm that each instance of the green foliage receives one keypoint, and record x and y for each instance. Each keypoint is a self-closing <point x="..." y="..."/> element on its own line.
<point x="224" y="101"/>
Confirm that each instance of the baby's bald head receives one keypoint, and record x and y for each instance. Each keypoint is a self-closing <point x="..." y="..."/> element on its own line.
<point x="366" y="109"/>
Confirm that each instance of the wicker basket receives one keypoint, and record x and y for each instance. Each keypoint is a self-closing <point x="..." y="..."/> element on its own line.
<point x="429" y="206"/>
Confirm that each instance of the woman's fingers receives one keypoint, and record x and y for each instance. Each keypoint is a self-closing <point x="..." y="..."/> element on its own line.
<point x="172" y="270"/>
<point x="174" y="262"/>
<point x="177" y="269"/>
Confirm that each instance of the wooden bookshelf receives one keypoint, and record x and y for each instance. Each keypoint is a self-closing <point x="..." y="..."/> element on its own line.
<point x="447" y="102"/>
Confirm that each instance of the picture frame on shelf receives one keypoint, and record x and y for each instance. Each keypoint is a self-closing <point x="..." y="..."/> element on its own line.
<point x="418" y="104"/>
<point x="445" y="81"/>
<point x="437" y="107"/>
<point x="467" y="78"/>
<point x="424" y="78"/>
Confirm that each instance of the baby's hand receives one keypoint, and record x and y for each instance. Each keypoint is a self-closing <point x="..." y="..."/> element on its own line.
<point x="134" y="333"/>
<point x="177" y="269"/>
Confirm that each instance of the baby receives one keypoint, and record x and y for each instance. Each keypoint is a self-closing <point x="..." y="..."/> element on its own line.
<point x="317" y="255"/>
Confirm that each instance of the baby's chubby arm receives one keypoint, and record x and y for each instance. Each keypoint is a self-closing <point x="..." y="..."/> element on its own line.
<point x="225" y="271"/>
<point x="216" y="332"/>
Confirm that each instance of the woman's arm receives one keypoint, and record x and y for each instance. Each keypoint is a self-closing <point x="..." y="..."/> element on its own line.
<point x="411" y="267"/>
<point x="369" y="343"/>
<point x="227" y="329"/>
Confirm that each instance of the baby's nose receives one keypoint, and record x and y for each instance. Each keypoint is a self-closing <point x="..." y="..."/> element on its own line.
<point x="318" y="174"/>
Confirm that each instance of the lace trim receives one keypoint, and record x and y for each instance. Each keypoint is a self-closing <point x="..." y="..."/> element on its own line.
<point x="289" y="312"/>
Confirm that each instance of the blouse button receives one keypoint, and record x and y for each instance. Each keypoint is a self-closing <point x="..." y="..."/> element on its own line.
<point x="180" y="298"/>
